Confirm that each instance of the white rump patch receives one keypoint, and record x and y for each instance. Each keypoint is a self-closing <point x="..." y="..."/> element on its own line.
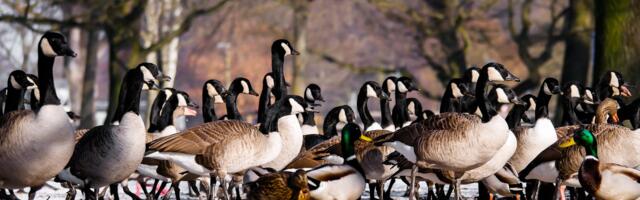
<point x="47" y="50"/>
<point x="494" y="74"/>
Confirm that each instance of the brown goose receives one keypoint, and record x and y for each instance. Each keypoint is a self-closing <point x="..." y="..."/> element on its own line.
<point x="31" y="156"/>
<point x="205" y="149"/>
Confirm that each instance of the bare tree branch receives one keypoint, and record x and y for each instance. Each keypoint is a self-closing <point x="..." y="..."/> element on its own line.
<point x="184" y="26"/>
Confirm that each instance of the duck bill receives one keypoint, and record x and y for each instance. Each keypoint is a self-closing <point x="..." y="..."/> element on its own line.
<point x="365" y="138"/>
<point x="568" y="143"/>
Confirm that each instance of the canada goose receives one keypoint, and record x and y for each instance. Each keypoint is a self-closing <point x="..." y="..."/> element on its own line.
<point x="238" y="86"/>
<point x="603" y="180"/>
<point x="399" y="114"/>
<point x="612" y="84"/>
<point x="572" y="95"/>
<point x="427" y="114"/>
<point x="3" y="98"/>
<point x="630" y="112"/>
<point x="389" y="87"/>
<point x="369" y="89"/>
<point x="31" y="156"/>
<point x="280" y="185"/>
<point x="279" y="49"/>
<point x="335" y="119"/>
<point x="424" y="143"/>
<point x="34" y="99"/>
<point x="340" y="181"/>
<point x="452" y="97"/>
<point x="178" y="104"/>
<point x="414" y="110"/>
<point x="517" y="114"/>
<point x="470" y="78"/>
<point x="203" y="150"/>
<point x="110" y="153"/>
<point x="311" y="94"/>
<point x="265" y="96"/>
<point x="586" y="107"/>
<point x="156" y="107"/>
<point x="17" y="85"/>
<point x="213" y="92"/>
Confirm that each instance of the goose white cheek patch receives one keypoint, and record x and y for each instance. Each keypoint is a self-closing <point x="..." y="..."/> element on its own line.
<point x="371" y="92"/>
<point x="295" y="107"/>
<point x="546" y="89"/>
<point x="270" y="82"/>
<point x="402" y="88"/>
<point x="614" y="82"/>
<point x="308" y="94"/>
<point x="532" y="104"/>
<point x="14" y="83"/>
<point x="494" y="75"/>
<point x="342" y="116"/>
<point x="575" y="92"/>
<point x="502" y="96"/>
<point x="146" y="74"/>
<point x="474" y="76"/>
<point x="47" y="50"/>
<point x="245" y="87"/>
<point x="456" y="90"/>
<point x="287" y="50"/>
<point x="391" y="86"/>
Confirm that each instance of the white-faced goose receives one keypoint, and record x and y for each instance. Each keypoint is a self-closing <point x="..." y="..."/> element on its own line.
<point x="452" y="97"/>
<point x="403" y="86"/>
<point x="430" y="143"/>
<point x="37" y="145"/>
<point x="603" y="180"/>
<point x="204" y="149"/>
<point x="213" y="93"/>
<point x="265" y="97"/>
<point x="110" y="153"/>
<point x="238" y="86"/>
<point x="311" y="94"/>
<point x="369" y="89"/>
<point x="389" y="87"/>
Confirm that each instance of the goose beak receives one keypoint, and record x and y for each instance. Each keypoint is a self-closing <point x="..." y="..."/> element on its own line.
<point x="511" y="77"/>
<point x="365" y="138"/>
<point x="310" y="109"/>
<point x="193" y="105"/>
<point x="556" y="90"/>
<point x="254" y="93"/>
<point x="568" y="143"/>
<point x="153" y="85"/>
<point x="165" y="78"/>
<point x="294" y="52"/>
<point x="624" y="91"/>
<point x="67" y="51"/>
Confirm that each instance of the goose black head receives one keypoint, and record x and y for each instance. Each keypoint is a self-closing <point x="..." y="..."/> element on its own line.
<point x="426" y="114"/>
<point x="613" y="84"/>
<point x="242" y="85"/>
<point x="54" y="44"/>
<point x="373" y="90"/>
<point x="502" y="94"/>
<point x="151" y="74"/>
<point x="471" y="75"/>
<point x="389" y="85"/>
<point x="19" y="80"/>
<point x="458" y="88"/>
<point x="186" y="106"/>
<point x="283" y="47"/>
<point x="405" y="84"/>
<point x="551" y="86"/>
<point x="268" y="80"/>
<point x="496" y="72"/>
<point x="216" y="90"/>
<point x="313" y="93"/>
<point x="414" y="107"/>
<point x="529" y="101"/>
<point x="336" y="118"/>
<point x="572" y="90"/>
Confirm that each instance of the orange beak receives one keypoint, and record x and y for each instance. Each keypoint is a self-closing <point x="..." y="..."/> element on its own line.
<point x="615" y="118"/>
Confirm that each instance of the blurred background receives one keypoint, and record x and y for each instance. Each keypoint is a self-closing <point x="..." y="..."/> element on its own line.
<point x="342" y="43"/>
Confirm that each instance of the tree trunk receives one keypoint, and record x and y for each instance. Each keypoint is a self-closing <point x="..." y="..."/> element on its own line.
<point x="88" y="86"/>
<point x="577" y="54"/>
<point x="300" y="17"/>
<point x="617" y="43"/>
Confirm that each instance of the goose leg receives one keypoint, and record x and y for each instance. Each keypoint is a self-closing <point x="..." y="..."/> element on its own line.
<point x="114" y="191"/>
<point x="238" y="197"/>
<point x="387" y="194"/>
<point x="164" y="184"/>
<point x="193" y="188"/>
<point x="32" y="192"/>
<point x="458" y="189"/>
<point x="212" y="187"/>
<point x="413" y="181"/>
<point x="372" y="189"/>
<point x="143" y="186"/>
<point x="380" y="189"/>
<point x="125" y="188"/>
<point x="225" y="186"/>
<point x="176" y="189"/>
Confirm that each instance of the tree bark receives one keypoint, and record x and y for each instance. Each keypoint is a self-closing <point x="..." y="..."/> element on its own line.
<point x="617" y="43"/>
<point x="88" y="109"/>
<point x="300" y="18"/>
<point x="577" y="54"/>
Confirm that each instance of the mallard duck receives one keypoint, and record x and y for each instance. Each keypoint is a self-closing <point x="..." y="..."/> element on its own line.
<point x="603" y="180"/>
<point x="280" y="185"/>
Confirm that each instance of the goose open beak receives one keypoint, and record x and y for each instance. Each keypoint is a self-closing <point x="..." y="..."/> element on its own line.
<point x="568" y="143"/>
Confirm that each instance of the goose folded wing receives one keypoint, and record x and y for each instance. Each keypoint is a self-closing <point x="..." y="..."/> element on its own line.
<point x="195" y="139"/>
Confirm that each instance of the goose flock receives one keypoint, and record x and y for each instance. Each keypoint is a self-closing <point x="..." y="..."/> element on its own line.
<point x="474" y="138"/>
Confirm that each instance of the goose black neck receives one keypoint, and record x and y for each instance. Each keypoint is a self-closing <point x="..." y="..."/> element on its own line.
<point x="486" y="107"/>
<point x="3" y="97"/>
<point x="385" y="110"/>
<point x="277" y="65"/>
<point x="232" y="107"/>
<point x="570" y="117"/>
<point x="14" y="99"/>
<point x="308" y="118"/>
<point x="448" y="102"/>
<point x="515" y="115"/>
<point x="45" y="80"/>
<point x="542" y="104"/>
<point x="208" y="107"/>
<point x="263" y="104"/>
<point x="129" y="98"/>
<point x="166" y="116"/>
<point x="363" y="110"/>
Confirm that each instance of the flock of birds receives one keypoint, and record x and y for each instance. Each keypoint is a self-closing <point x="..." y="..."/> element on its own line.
<point x="284" y="156"/>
